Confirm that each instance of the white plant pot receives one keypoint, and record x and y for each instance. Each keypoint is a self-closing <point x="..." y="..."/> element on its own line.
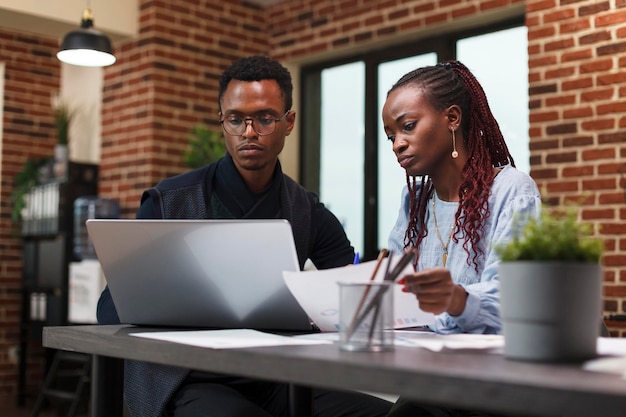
<point x="551" y="311"/>
<point x="60" y="160"/>
<point x="60" y="153"/>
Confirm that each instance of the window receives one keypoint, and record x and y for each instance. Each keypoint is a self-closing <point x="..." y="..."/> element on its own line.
<point x="341" y="146"/>
<point x="346" y="157"/>
<point x="505" y="81"/>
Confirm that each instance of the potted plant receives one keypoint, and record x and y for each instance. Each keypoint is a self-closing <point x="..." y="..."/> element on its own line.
<point x="205" y="146"/>
<point x="551" y="289"/>
<point x="62" y="120"/>
<point x="26" y="179"/>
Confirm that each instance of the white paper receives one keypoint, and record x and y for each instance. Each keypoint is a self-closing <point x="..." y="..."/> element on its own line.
<point x="227" y="339"/>
<point x="318" y="293"/>
<point x="435" y="342"/>
<point x="608" y="364"/>
<point x="440" y="342"/>
<point x="86" y="282"/>
<point x="612" y="346"/>
<point x="613" y="357"/>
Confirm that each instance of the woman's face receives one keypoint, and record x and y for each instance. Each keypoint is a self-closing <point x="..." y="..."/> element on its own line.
<point x="420" y="135"/>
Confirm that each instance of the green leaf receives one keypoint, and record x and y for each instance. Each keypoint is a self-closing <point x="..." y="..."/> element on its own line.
<point x="205" y="146"/>
<point x="26" y="179"/>
<point x="62" y="120"/>
<point x="556" y="235"/>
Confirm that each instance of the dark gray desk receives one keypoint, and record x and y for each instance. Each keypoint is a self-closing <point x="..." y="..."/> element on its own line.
<point x="457" y="379"/>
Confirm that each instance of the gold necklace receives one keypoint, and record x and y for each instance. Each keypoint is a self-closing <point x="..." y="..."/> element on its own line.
<point x="444" y="246"/>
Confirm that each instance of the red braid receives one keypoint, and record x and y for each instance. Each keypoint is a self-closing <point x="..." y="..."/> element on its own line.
<point x="417" y="230"/>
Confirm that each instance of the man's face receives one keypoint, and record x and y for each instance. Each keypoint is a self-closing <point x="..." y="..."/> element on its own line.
<point x="259" y="101"/>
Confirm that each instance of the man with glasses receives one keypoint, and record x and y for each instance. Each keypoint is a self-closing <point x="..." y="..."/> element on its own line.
<point x="255" y="100"/>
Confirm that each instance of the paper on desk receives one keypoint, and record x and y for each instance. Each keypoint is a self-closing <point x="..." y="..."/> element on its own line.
<point x="227" y="339"/>
<point x="491" y="343"/>
<point x="615" y="346"/>
<point x="488" y="343"/>
<point x="612" y="360"/>
<point x="317" y="292"/>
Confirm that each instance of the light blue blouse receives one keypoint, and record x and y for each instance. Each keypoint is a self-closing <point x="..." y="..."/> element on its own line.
<point x="512" y="192"/>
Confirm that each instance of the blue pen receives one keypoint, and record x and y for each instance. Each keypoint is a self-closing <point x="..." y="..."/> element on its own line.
<point x="357" y="259"/>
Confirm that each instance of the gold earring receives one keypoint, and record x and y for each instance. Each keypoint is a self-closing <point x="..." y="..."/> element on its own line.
<point x="455" y="154"/>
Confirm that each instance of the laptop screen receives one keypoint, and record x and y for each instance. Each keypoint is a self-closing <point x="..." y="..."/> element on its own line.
<point x="200" y="273"/>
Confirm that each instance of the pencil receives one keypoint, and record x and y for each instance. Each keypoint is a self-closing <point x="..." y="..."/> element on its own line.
<point x="381" y="255"/>
<point x="389" y="277"/>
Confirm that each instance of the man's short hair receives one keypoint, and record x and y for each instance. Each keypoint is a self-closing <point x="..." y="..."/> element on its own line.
<point x="257" y="68"/>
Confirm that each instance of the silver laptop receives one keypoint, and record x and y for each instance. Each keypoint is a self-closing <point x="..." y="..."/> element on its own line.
<point x="200" y="273"/>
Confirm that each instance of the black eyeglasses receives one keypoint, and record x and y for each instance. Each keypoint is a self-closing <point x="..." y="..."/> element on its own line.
<point x="262" y="124"/>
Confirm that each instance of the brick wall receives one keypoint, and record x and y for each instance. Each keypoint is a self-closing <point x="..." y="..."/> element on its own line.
<point x="577" y="54"/>
<point x="165" y="81"/>
<point x="31" y="78"/>
<point x="302" y="30"/>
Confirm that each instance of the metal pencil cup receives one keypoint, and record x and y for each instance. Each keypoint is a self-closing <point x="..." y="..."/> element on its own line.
<point x="365" y="316"/>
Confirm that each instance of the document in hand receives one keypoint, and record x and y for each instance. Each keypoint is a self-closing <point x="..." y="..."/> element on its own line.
<point x="318" y="294"/>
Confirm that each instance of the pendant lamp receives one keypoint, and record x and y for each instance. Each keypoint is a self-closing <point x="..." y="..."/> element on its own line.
<point x="86" y="46"/>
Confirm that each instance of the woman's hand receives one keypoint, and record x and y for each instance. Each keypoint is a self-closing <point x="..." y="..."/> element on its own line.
<point x="435" y="291"/>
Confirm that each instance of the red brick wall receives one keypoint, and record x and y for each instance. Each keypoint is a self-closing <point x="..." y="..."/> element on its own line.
<point x="577" y="54"/>
<point x="163" y="83"/>
<point x="302" y="29"/>
<point x="31" y="77"/>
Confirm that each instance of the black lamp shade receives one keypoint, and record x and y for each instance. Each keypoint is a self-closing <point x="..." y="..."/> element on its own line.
<point x="86" y="47"/>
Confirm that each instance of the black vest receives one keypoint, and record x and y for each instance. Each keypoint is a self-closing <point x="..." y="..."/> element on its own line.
<point x="190" y="196"/>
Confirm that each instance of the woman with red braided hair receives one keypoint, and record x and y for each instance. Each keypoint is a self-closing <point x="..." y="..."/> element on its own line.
<point x="463" y="192"/>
